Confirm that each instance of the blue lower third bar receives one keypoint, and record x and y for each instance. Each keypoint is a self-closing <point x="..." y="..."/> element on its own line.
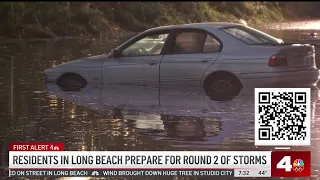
<point x="122" y="173"/>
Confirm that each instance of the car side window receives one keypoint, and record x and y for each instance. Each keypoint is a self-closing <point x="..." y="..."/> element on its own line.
<point x="195" y="42"/>
<point x="149" y="45"/>
<point x="248" y="36"/>
<point x="211" y="44"/>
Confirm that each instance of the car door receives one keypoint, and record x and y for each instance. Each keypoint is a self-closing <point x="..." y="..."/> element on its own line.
<point x="137" y="61"/>
<point x="191" y="52"/>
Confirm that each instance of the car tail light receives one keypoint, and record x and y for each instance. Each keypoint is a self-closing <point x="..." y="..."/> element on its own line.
<point x="277" y="60"/>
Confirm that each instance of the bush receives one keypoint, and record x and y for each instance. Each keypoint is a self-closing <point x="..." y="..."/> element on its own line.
<point x="51" y="19"/>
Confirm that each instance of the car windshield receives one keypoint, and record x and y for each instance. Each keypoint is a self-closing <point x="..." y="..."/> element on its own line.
<point x="251" y="36"/>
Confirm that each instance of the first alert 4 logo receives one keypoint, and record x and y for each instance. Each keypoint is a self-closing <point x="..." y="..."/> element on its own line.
<point x="35" y="147"/>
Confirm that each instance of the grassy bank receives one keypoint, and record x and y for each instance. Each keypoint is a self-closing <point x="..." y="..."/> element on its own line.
<point x="65" y="19"/>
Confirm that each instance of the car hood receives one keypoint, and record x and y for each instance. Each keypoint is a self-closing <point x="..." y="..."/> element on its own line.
<point x="93" y="61"/>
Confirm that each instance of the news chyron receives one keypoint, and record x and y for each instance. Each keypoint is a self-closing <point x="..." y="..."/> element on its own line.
<point x="49" y="160"/>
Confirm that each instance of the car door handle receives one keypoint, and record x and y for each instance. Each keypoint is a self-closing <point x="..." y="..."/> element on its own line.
<point x="153" y="63"/>
<point x="204" y="61"/>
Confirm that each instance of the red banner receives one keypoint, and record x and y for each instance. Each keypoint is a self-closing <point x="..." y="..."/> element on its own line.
<point x="291" y="164"/>
<point x="36" y="146"/>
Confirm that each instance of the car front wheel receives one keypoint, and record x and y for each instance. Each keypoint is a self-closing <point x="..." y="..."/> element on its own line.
<point x="71" y="82"/>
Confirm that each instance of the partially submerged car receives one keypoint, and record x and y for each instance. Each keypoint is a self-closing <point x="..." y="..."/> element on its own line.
<point x="218" y="58"/>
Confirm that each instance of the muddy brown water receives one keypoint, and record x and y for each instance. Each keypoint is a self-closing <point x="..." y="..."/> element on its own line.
<point x="28" y="113"/>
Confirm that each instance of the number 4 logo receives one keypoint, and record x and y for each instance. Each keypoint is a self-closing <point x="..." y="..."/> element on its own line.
<point x="291" y="164"/>
<point x="285" y="163"/>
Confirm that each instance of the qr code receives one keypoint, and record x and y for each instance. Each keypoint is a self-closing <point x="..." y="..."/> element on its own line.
<point x="282" y="116"/>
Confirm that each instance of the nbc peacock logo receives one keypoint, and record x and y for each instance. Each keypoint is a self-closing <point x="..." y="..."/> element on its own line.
<point x="298" y="165"/>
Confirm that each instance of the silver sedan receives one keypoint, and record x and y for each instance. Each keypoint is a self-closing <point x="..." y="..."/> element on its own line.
<point x="217" y="58"/>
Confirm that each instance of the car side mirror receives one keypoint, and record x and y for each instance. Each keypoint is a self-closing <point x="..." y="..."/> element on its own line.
<point x="115" y="53"/>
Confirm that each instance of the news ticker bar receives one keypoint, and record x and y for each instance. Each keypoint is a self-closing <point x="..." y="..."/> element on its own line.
<point x="140" y="173"/>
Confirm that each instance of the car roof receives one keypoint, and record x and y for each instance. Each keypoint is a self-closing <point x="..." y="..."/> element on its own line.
<point x="215" y="25"/>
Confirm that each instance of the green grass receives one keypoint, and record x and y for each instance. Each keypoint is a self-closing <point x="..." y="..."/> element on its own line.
<point x="61" y="19"/>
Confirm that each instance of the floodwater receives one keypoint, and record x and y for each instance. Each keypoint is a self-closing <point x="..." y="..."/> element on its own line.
<point x="90" y="120"/>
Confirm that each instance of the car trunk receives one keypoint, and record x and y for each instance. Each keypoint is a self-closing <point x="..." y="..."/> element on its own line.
<point x="298" y="55"/>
